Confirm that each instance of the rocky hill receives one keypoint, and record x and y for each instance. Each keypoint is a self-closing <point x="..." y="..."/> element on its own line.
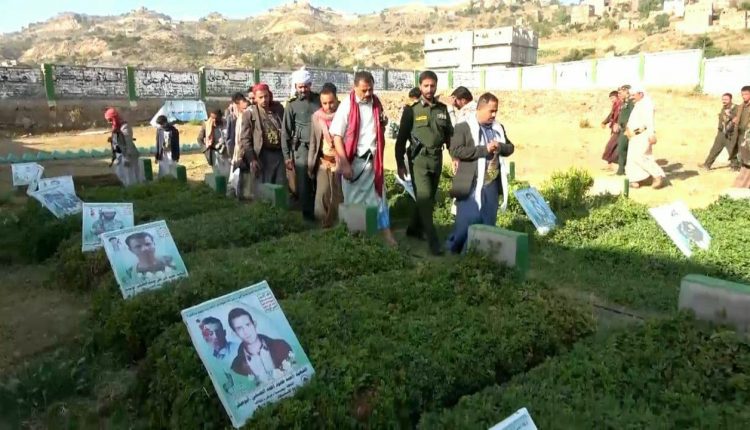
<point x="301" y="33"/>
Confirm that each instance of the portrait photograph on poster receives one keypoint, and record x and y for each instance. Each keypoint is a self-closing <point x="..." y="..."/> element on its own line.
<point x="58" y="200"/>
<point x="681" y="226"/>
<point x="26" y="173"/>
<point x="536" y="209"/>
<point x="249" y="350"/>
<point x="143" y="257"/>
<point x="65" y="182"/>
<point x="99" y="218"/>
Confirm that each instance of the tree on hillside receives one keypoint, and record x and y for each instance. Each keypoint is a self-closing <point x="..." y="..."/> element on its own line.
<point x="661" y="21"/>
<point x="561" y="17"/>
<point x="707" y="45"/>
<point x="745" y="5"/>
<point x="647" y="6"/>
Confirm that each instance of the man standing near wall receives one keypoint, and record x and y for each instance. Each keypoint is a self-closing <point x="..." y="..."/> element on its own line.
<point x="427" y="126"/>
<point x="725" y="137"/>
<point x="296" y="138"/>
<point x="622" y="122"/>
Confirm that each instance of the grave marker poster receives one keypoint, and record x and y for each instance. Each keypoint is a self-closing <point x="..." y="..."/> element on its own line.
<point x="520" y="420"/>
<point x="99" y="218"/>
<point x="26" y="173"/>
<point x="249" y="350"/>
<point x="143" y="257"/>
<point x="536" y="209"/>
<point x="66" y="182"/>
<point x="58" y="200"/>
<point x="681" y="226"/>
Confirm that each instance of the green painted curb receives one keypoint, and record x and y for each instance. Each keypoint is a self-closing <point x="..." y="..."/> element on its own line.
<point x="130" y="75"/>
<point x="148" y="171"/>
<point x="181" y="173"/>
<point x="49" y="83"/>
<point x="371" y="220"/>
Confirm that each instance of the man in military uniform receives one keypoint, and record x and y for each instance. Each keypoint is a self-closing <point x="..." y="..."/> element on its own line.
<point x="622" y="122"/>
<point x="296" y="138"/>
<point x="725" y="137"/>
<point x="427" y="126"/>
<point x="741" y="121"/>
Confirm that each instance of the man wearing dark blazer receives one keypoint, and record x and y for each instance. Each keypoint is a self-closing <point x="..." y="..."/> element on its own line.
<point x="258" y="355"/>
<point x="480" y="145"/>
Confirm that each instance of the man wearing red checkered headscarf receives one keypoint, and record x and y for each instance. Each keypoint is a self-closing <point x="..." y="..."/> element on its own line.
<point x="125" y="155"/>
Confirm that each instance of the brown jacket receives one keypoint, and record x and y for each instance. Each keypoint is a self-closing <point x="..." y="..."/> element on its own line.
<point x="251" y="136"/>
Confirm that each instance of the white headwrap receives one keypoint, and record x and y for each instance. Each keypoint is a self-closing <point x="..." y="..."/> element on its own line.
<point x="302" y="76"/>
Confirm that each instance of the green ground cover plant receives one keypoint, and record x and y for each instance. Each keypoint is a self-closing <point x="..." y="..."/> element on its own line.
<point x="386" y="348"/>
<point x="669" y="373"/>
<point x="290" y="265"/>
<point x="34" y="235"/>
<point x="643" y="267"/>
<point x="454" y="343"/>
<point x="224" y="228"/>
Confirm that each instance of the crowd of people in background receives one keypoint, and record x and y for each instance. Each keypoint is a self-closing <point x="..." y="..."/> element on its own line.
<point x="633" y="136"/>
<point x="329" y="152"/>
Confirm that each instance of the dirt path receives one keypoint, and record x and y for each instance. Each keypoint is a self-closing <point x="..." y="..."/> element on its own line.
<point x="35" y="319"/>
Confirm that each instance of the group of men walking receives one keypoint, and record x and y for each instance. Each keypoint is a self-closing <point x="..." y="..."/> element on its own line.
<point x="632" y="137"/>
<point x="330" y="152"/>
<point x="732" y="134"/>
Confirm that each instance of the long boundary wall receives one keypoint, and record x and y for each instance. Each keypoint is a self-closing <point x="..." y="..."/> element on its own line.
<point x="686" y="68"/>
<point x="70" y="92"/>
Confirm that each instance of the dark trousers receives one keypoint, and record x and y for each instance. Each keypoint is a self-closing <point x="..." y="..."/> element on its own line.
<point x="622" y="153"/>
<point x="425" y="173"/>
<point x="272" y="168"/>
<point x="720" y="143"/>
<point x="305" y="185"/>
<point x="468" y="214"/>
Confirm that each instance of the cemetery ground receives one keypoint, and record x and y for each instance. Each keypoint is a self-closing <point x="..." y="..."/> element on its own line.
<point x="589" y="338"/>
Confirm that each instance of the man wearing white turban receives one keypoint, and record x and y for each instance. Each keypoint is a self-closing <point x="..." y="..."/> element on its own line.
<point x="296" y="138"/>
<point x="642" y="134"/>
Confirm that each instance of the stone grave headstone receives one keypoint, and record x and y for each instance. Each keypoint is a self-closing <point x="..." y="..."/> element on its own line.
<point x="504" y="246"/>
<point x="359" y="218"/>
<point x="716" y="300"/>
<point x="217" y="183"/>
<point x="276" y="195"/>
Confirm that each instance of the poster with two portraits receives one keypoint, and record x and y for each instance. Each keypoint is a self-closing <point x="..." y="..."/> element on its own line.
<point x="243" y="338"/>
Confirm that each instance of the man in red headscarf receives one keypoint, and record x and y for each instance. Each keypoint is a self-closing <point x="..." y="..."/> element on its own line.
<point x="261" y="140"/>
<point x="124" y="152"/>
<point x="358" y="130"/>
